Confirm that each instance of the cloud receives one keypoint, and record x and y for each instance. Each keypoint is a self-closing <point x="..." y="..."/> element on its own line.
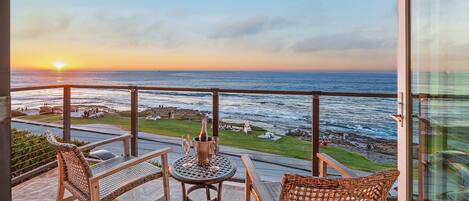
<point x="39" y="25"/>
<point x="124" y="30"/>
<point x="103" y="27"/>
<point x="246" y="27"/>
<point x="121" y="29"/>
<point x="351" y="40"/>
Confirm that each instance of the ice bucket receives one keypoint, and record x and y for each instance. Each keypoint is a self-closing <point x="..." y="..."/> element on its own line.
<point x="203" y="151"/>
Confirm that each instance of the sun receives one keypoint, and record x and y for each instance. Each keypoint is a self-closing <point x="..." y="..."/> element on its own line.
<point x="58" y="65"/>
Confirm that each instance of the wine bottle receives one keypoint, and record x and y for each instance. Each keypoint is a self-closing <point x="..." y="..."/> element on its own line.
<point x="203" y="136"/>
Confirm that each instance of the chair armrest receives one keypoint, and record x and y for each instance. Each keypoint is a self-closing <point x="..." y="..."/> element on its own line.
<point x="342" y="169"/>
<point x="130" y="163"/>
<point x="257" y="184"/>
<point x="93" y="161"/>
<point x="103" y="142"/>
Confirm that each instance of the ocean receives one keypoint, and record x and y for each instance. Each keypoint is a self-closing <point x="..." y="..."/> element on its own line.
<point x="365" y="116"/>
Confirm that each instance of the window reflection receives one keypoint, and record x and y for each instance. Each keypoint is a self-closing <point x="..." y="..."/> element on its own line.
<point x="440" y="69"/>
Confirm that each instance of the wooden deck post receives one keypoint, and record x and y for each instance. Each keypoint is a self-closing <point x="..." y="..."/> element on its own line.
<point x="134" y="121"/>
<point x="165" y="167"/>
<point x="5" y="119"/>
<point x="322" y="168"/>
<point x="215" y="111"/>
<point x="315" y="135"/>
<point x="66" y="113"/>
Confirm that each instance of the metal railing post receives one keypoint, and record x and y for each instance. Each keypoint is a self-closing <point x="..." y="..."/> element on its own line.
<point x="134" y="121"/>
<point x="215" y="112"/>
<point x="315" y="135"/>
<point x="66" y="113"/>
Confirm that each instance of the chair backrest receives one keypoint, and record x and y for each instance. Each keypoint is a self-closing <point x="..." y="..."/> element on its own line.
<point x="75" y="167"/>
<point x="373" y="187"/>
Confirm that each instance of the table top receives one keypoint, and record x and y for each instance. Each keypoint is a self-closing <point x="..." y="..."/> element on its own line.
<point x="195" y="174"/>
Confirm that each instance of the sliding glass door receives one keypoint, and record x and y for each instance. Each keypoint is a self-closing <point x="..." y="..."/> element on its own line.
<point x="439" y="85"/>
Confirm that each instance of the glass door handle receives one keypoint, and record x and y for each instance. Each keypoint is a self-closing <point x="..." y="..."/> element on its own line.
<point x="400" y="108"/>
<point x="397" y="117"/>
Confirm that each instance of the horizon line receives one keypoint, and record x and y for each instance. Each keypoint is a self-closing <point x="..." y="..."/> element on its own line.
<point x="149" y="70"/>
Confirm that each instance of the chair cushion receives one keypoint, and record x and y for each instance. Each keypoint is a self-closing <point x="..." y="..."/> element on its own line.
<point x="120" y="182"/>
<point x="101" y="154"/>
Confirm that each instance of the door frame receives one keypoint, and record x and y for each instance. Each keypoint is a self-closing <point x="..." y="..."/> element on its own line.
<point x="5" y="119"/>
<point x="404" y="76"/>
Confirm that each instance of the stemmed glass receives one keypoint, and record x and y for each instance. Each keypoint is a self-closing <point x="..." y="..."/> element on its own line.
<point x="214" y="150"/>
<point x="186" y="148"/>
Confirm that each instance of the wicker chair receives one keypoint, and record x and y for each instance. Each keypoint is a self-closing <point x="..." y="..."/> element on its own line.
<point x="294" y="187"/>
<point x="107" y="179"/>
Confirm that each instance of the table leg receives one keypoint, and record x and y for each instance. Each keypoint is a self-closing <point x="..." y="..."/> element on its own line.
<point x="219" y="191"/>
<point x="184" y="193"/>
<point x="207" y="191"/>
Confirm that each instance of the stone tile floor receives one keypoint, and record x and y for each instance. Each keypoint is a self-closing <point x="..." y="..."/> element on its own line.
<point x="44" y="188"/>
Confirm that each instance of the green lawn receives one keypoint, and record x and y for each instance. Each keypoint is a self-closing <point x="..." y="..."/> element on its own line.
<point x="48" y="118"/>
<point x="287" y="146"/>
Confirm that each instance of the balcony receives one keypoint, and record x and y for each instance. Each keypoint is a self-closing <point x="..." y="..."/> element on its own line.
<point x="39" y="180"/>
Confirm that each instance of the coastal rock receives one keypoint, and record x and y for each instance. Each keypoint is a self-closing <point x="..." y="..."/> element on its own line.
<point x="269" y="136"/>
<point x="229" y="127"/>
<point x="89" y="111"/>
<point x="152" y="117"/>
<point x="376" y="149"/>
<point x="174" y="113"/>
<point x="17" y="113"/>
<point x="99" y="108"/>
<point x="300" y="134"/>
<point x="45" y="110"/>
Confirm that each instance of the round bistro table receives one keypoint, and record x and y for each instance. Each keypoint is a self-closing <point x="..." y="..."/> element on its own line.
<point x="202" y="177"/>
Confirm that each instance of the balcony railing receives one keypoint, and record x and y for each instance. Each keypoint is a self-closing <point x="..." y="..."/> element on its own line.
<point x="316" y="159"/>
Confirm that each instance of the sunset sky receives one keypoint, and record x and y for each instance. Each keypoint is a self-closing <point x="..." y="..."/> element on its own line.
<point x="259" y="35"/>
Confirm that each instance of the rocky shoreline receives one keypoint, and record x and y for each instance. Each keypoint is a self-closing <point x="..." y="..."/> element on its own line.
<point x="376" y="149"/>
<point x="174" y="113"/>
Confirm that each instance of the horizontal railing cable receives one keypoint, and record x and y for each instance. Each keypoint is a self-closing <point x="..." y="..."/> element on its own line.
<point x="207" y="90"/>
<point x="18" y="179"/>
<point x="26" y="144"/>
<point x="33" y="153"/>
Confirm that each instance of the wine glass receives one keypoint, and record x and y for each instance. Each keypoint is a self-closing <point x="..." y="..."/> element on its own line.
<point x="215" y="147"/>
<point x="214" y="151"/>
<point x="186" y="147"/>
